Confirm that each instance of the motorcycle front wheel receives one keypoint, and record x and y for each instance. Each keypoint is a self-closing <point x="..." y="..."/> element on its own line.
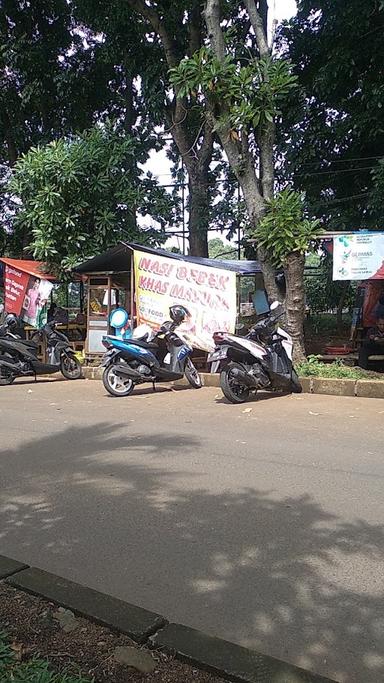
<point x="117" y="384"/>
<point x="6" y="376"/>
<point x="231" y="388"/>
<point x="295" y="383"/>
<point x="192" y="375"/>
<point x="70" y="367"/>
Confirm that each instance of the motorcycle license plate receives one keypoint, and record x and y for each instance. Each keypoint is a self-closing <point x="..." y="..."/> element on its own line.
<point x="217" y="355"/>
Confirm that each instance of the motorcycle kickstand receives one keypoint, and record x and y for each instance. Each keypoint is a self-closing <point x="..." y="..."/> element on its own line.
<point x="153" y="387"/>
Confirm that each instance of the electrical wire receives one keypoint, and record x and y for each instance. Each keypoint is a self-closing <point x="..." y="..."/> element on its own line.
<point x="331" y="172"/>
<point x="343" y="199"/>
<point x="341" y="161"/>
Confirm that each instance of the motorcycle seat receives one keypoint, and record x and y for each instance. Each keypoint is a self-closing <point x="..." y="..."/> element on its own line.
<point x="143" y="344"/>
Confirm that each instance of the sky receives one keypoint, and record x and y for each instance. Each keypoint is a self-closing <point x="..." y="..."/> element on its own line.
<point x="283" y="8"/>
<point x="159" y="165"/>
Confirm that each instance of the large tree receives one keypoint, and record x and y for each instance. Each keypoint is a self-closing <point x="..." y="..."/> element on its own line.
<point x="334" y="132"/>
<point x="165" y="33"/>
<point x="242" y="89"/>
<point x="51" y="82"/>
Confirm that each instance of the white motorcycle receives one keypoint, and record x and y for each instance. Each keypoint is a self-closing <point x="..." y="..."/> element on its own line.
<point x="260" y="360"/>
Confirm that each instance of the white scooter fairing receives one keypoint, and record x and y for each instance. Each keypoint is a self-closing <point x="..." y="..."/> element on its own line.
<point x="253" y="347"/>
<point x="287" y="342"/>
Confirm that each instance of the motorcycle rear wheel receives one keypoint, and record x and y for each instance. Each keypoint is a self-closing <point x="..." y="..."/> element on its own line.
<point x="115" y="384"/>
<point x="231" y="388"/>
<point x="70" y="367"/>
<point x="192" y="375"/>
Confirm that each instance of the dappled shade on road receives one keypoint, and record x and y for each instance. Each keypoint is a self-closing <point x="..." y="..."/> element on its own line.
<point x="267" y="576"/>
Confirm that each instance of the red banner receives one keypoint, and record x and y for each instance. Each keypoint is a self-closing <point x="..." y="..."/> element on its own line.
<point x="15" y="285"/>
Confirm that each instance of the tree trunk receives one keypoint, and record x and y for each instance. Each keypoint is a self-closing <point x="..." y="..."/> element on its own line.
<point x="269" y="275"/>
<point x="130" y="118"/>
<point x="295" y="302"/>
<point x="198" y="215"/>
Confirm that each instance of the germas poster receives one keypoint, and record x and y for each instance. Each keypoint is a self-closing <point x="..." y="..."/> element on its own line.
<point x="358" y="257"/>
<point x="208" y="293"/>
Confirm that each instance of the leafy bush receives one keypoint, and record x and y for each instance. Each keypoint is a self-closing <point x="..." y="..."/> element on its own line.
<point x="325" y="324"/>
<point x="79" y="196"/>
<point x="313" y="367"/>
<point x="284" y="228"/>
<point x="32" y="671"/>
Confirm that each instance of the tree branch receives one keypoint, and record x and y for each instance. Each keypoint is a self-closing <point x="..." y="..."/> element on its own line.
<point x="215" y="34"/>
<point x="266" y="141"/>
<point x="263" y="11"/>
<point x="158" y="26"/>
<point x="194" y="29"/>
<point x="258" y="27"/>
<point x="237" y="151"/>
<point x="206" y="149"/>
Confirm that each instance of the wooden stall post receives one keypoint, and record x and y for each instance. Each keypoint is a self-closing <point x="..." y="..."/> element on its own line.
<point x="109" y="303"/>
<point x="132" y="290"/>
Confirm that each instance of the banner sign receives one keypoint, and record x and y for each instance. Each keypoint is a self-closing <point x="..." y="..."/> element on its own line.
<point x="358" y="257"/>
<point x="15" y="283"/>
<point x="26" y="296"/>
<point x="208" y="293"/>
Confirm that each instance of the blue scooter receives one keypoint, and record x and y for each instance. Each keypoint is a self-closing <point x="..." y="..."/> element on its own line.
<point x="164" y="358"/>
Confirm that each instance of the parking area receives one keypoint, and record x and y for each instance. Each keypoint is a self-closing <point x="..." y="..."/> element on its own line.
<point x="260" y="523"/>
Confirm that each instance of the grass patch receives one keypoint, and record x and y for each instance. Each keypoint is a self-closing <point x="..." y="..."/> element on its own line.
<point x="313" y="367"/>
<point x="32" y="671"/>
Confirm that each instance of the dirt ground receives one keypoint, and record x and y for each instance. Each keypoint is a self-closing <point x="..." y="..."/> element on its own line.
<point x="87" y="650"/>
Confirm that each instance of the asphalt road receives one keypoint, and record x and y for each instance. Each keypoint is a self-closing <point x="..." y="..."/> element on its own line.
<point x="260" y="523"/>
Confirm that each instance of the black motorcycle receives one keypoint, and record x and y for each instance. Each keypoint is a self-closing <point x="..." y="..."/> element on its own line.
<point x="163" y="358"/>
<point x="18" y="357"/>
<point x="260" y="360"/>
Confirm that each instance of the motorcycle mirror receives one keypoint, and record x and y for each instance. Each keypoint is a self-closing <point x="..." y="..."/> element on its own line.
<point x="274" y="305"/>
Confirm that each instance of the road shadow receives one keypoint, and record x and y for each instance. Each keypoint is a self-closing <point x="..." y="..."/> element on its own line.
<point x="247" y="555"/>
<point x="148" y="390"/>
<point x="254" y="398"/>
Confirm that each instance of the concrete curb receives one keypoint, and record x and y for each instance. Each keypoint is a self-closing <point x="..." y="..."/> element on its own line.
<point x="134" y="621"/>
<point x="9" y="567"/>
<point x="231" y="661"/>
<point x="362" y="388"/>
<point x="226" y="659"/>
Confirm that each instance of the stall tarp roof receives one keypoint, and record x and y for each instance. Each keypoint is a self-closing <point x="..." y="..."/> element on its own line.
<point x="36" y="268"/>
<point x="115" y="260"/>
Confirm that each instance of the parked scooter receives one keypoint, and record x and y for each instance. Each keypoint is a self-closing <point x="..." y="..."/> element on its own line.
<point x="260" y="360"/>
<point x="163" y="356"/>
<point x="18" y="357"/>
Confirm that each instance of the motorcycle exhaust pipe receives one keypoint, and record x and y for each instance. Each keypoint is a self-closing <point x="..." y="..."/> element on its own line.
<point x="130" y="372"/>
<point x="244" y="378"/>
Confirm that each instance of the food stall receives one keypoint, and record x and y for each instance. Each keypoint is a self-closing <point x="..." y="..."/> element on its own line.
<point x="145" y="281"/>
